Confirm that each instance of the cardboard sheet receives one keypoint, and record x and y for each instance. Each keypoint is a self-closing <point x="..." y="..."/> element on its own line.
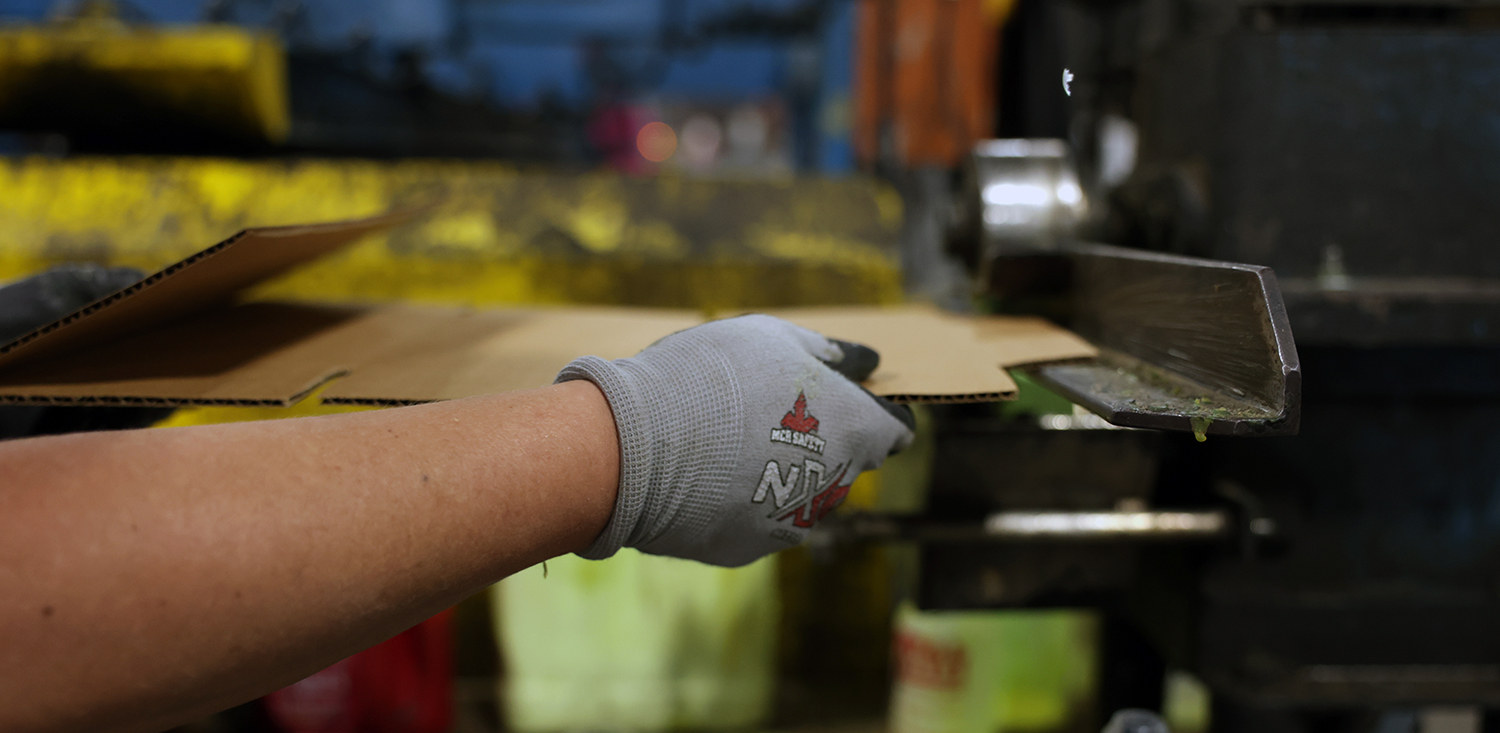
<point x="179" y="337"/>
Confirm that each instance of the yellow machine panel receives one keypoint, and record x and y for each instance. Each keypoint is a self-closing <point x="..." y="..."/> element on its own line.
<point x="499" y="235"/>
<point x="220" y="78"/>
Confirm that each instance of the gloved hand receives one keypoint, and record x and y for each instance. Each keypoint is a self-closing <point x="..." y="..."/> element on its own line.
<point x="737" y="436"/>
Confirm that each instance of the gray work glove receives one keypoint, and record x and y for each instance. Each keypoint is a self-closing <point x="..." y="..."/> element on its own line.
<point x="737" y="436"/>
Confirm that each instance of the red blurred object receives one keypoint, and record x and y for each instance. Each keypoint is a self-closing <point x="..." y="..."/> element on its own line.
<point x="613" y="131"/>
<point x="403" y="685"/>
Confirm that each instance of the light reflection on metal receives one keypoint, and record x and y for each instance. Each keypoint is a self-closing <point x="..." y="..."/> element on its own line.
<point x="1106" y="525"/>
<point x="1035" y="527"/>
<point x="1028" y="193"/>
<point x="1069" y="193"/>
<point x="1016" y="194"/>
<point x="1081" y="419"/>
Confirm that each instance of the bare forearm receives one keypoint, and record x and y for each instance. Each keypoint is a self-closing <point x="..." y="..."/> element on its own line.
<point x="189" y="569"/>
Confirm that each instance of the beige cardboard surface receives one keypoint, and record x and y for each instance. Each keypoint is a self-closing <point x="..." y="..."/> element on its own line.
<point x="451" y="354"/>
<point x="178" y="337"/>
<point x="927" y="355"/>
<point x="1022" y="340"/>
<point x="924" y="357"/>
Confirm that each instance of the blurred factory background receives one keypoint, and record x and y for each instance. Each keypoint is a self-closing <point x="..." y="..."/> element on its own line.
<point x="1340" y="566"/>
<point x="749" y="86"/>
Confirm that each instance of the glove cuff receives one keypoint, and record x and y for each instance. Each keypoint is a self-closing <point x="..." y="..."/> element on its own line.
<point x="636" y="449"/>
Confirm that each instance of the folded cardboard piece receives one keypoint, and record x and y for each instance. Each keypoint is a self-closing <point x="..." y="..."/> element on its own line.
<point x="187" y="336"/>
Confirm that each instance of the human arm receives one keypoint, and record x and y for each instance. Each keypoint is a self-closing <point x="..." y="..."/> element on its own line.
<point x="147" y="577"/>
<point x="154" y="576"/>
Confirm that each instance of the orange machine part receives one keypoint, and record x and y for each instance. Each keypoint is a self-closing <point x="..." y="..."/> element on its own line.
<point x="926" y="73"/>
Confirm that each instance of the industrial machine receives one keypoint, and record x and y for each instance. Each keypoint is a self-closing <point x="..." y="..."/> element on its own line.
<point x="1336" y="572"/>
<point x="1101" y="508"/>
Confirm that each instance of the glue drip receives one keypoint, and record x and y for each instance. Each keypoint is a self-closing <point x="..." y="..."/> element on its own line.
<point x="1200" y="427"/>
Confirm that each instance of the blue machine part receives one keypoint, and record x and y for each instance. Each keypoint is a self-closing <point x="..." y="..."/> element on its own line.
<point x="524" y="54"/>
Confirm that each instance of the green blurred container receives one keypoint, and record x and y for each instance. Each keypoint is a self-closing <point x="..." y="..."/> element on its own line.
<point x="993" y="671"/>
<point x="637" y="643"/>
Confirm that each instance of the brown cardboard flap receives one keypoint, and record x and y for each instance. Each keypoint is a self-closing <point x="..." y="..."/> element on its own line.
<point x="212" y="276"/>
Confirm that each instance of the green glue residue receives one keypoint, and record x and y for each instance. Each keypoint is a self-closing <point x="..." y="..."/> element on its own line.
<point x="1200" y="427"/>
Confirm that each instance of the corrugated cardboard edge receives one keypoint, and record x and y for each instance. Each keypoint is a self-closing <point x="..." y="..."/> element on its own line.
<point x="952" y="399"/>
<point x="371" y="402"/>
<point x="120" y="294"/>
<point x="129" y="401"/>
<point x="370" y="224"/>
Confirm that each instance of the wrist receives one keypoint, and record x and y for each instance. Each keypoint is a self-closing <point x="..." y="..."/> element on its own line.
<point x="620" y="391"/>
<point x="589" y="425"/>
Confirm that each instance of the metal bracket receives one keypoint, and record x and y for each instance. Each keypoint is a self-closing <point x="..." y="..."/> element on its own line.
<point x="1186" y="343"/>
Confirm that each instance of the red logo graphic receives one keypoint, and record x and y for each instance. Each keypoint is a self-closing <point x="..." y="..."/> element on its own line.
<point x="798" y="419"/>
<point x="808" y="514"/>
